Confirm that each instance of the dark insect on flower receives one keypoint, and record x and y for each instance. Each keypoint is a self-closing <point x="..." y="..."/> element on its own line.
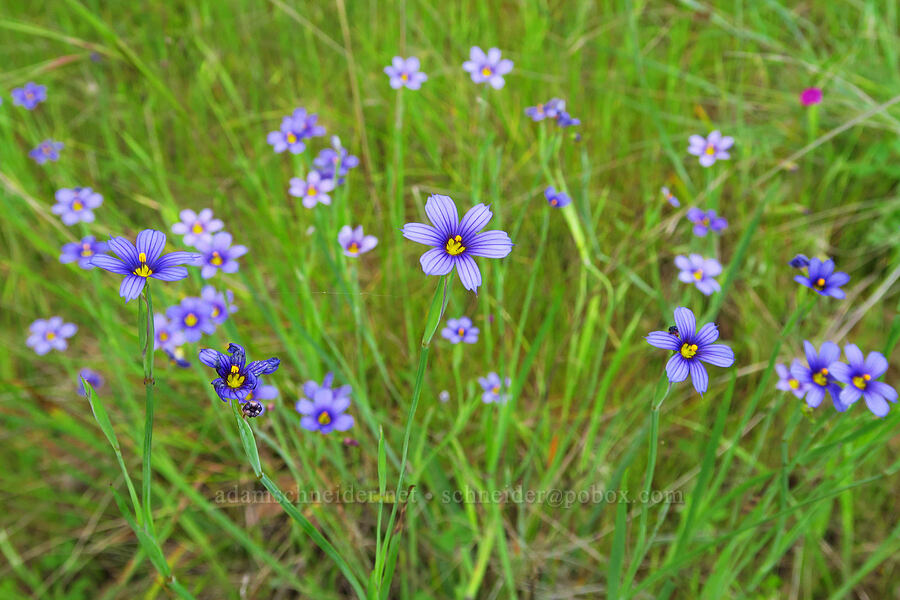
<point x="237" y="379"/>
<point x="673" y="330"/>
<point x="252" y="409"/>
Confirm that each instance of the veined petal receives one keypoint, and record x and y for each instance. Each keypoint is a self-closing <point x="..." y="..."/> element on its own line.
<point x="108" y="263"/>
<point x="264" y="367"/>
<point x="212" y="358"/>
<point x="469" y="274"/>
<point x="876" y="364"/>
<point x="131" y="287"/>
<point x="151" y="242"/>
<point x="490" y="244"/>
<point x="474" y="220"/>
<point x="170" y="274"/>
<point x="684" y="320"/>
<point x="436" y="262"/>
<point x="677" y="369"/>
<point x="125" y="250"/>
<point x="663" y="340"/>
<point x="422" y="234"/>
<point x="699" y="376"/>
<point x="442" y="212"/>
<point x="719" y="355"/>
<point x="174" y="259"/>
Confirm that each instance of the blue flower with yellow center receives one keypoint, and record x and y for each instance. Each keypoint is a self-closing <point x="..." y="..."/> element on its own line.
<point x="236" y="379"/>
<point x="817" y="376"/>
<point x="143" y="260"/>
<point x="860" y="376"/>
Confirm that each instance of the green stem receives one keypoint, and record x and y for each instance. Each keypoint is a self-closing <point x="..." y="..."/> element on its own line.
<point x="147" y="343"/>
<point x="435" y="313"/>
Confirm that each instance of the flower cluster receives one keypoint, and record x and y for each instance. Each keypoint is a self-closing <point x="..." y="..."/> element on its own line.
<point x="824" y="373"/>
<point x="217" y="251"/>
<point x="554" y="109"/>
<point x="295" y="130"/>
<point x="323" y="406"/>
<point x="191" y="319"/>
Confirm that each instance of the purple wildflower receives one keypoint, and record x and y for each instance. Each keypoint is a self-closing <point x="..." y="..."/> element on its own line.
<point x="338" y="158"/>
<point x="237" y="379"/>
<point x="29" y="95"/>
<point x="92" y="377"/>
<point x="556" y="199"/>
<point x="313" y="190"/>
<point x="82" y="252"/>
<point x="144" y="261"/>
<point x="460" y="330"/>
<point x="799" y="262"/>
<point x="76" y="205"/>
<point x="699" y="271"/>
<point x="822" y="278"/>
<point x="46" y="150"/>
<point x="669" y="196"/>
<point x="566" y="120"/>
<point x="817" y="377"/>
<point x="488" y="68"/>
<point x="192" y="318"/>
<point x="310" y="387"/>
<point x="549" y="110"/>
<point x="294" y="130"/>
<point x="177" y="358"/>
<point x="455" y="242"/>
<point x="710" y="149"/>
<point x="789" y="383"/>
<point x="195" y="227"/>
<point x="405" y="73"/>
<point x="860" y="378"/>
<point x="221" y="304"/>
<point x="49" y="334"/>
<point x="218" y="253"/>
<point x="494" y="390"/>
<point x="705" y="221"/>
<point x="167" y="335"/>
<point x="323" y="410"/>
<point x="690" y="349"/>
<point x="354" y="242"/>
<point x="810" y="96"/>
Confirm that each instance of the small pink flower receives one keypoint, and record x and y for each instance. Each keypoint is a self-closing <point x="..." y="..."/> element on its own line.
<point x="811" y="96"/>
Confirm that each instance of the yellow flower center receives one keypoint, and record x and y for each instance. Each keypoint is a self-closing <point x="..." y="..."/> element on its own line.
<point x="460" y="331"/>
<point x="215" y="311"/>
<point x="705" y="221"/>
<point x="688" y="350"/>
<point x="486" y="71"/>
<point x="312" y="191"/>
<point x="197" y="228"/>
<point x="860" y="381"/>
<point x="698" y="274"/>
<point x="324" y="418"/>
<point x="404" y="77"/>
<point x="821" y="378"/>
<point x="143" y="270"/>
<point x="216" y="258"/>
<point x="454" y="246"/>
<point x="163" y="336"/>
<point x="46" y="149"/>
<point x="495" y="389"/>
<point x="710" y="149"/>
<point x="50" y="335"/>
<point x="234" y="379"/>
<point x="249" y="397"/>
<point x="540" y="109"/>
<point x="190" y="320"/>
<point x="86" y="250"/>
<point x="76" y="206"/>
<point x="554" y="202"/>
<point x="819" y="284"/>
<point x="353" y="248"/>
<point x="291" y="138"/>
<point x="29" y="96"/>
<point x="793" y="383"/>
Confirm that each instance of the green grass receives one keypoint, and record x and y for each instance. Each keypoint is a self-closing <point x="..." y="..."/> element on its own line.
<point x="765" y="500"/>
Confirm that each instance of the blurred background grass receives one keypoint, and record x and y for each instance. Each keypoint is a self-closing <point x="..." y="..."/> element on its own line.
<point x="166" y="106"/>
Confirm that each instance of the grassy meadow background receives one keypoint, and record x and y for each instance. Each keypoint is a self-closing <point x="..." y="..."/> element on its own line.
<point x="166" y="106"/>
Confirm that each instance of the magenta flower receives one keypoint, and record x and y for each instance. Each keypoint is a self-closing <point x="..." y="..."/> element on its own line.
<point x="810" y="96"/>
